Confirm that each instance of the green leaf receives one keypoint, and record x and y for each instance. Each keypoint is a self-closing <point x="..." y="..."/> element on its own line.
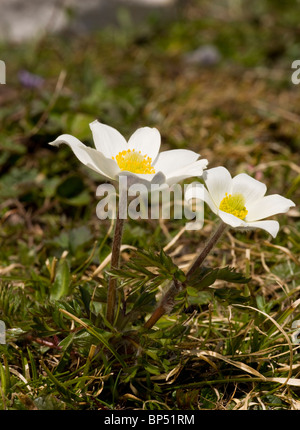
<point x="49" y="403"/>
<point x="149" y="268"/>
<point x="72" y="240"/>
<point x="100" y="335"/>
<point x="59" y="385"/>
<point x="86" y="297"/>
<point x="3" y="379"/>
<point x="79" y="237"/>
<point x="62" y="281"/>
<point x="70" y="187"/>
<point x="204" y="277"/>
<point x="82" y="199"/>
<point x="229" y="274"/>
<point x="66" y="344"/>
<point x="230" y="295"/>
<point x="144" y="300"/>
<point x="152" y="369"/>
<point x="202" y="297"/>
<point x="192" y="291"/>
<point x="32" y="363"/>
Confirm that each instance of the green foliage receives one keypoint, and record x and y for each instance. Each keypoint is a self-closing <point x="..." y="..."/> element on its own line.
<point x="140" y="270"/>
<point x="201" y="290"/>
<point x="62" y="281"/>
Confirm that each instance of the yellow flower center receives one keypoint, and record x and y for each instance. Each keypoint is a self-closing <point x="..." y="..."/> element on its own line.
<point x="234" y="205"/>
<point x="134" y="162"/>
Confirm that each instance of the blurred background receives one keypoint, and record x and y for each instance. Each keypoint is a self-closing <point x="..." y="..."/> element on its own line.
<point x="214" y="77"/>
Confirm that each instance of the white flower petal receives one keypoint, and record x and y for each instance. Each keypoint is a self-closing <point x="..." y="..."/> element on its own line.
<point x="107" y="139"/>
<point x="271" y="226"/>
<point x="138" y="178"/>
<point x="147" y="140"/>
<point x="170" y="166"/>
<point x="89" y="156"/>
<point x="194" y="169"/>
<point x="218" y="181"/>
<point x="231" y="220"/>
<point x="268" y="206"/>
<point x="250" y="188"/>
<point x="108" y="166"/>
<point x="169" y="162"/>
<point x="144" y="176"/>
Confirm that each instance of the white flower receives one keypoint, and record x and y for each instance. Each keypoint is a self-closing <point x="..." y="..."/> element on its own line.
<point x="240" y="201"/>
<point x="139" y="158"/>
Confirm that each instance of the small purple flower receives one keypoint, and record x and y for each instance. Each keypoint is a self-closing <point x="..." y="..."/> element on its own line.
<point x="29" y="80"/>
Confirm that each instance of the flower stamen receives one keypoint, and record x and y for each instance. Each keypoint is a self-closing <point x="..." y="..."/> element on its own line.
<point x="234" y="205"/>
<point x="134" y="161"/>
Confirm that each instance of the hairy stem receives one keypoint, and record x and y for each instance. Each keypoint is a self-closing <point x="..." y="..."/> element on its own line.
<point x="166" y="304"/>
<point x="115" y="261"/>
<point x="207" y="248"/>
<point x="168" y="300"/>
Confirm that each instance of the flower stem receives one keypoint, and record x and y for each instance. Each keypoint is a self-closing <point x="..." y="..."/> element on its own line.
<point x="207" y="248"/>
<point x="168" y="300"/>
<point x="166" y="303"/>
<point x="115" y="261"/>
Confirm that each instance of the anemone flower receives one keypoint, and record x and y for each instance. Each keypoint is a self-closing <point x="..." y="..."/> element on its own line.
<point x="240" y="202"/>
<point x="139" y="158"/>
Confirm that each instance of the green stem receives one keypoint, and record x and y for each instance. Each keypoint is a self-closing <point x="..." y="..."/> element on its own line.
<point x="207" y="248"/>
<point x="168" y="300"/>
<point x="115" y="261"/>
<point x="166" y="304"/>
